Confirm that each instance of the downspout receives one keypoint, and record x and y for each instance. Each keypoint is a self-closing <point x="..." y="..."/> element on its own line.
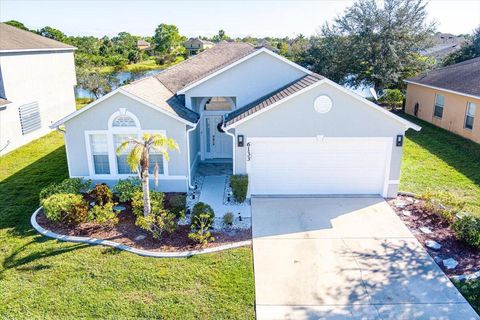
<point x="233" y="144"/>
<point x="188" y="155"/>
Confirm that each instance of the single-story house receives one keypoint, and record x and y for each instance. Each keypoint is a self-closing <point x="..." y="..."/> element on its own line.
<point x="290" y="130"/>
<point x="448" y="97"/>
<point x="37" y="80"/>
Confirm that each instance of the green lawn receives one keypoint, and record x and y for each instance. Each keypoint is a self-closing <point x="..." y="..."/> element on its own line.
<point x="40" y="277"/>
<point x="44" y="278"/>
<point x="438" y="160"/>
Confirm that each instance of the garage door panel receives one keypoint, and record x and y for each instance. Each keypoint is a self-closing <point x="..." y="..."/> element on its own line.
<point x="318" y="167"/>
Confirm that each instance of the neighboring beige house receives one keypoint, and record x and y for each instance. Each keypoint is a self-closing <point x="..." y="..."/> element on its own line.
<point x="444" y="44"/>
<point x="448" y="97"/>
<point x="143" y="45"/>
<point x="37" y="79"/>
<point x="196" y="45"/>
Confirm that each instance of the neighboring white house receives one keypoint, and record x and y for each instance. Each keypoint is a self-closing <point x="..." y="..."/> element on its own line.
<point x="37" y="79"/>
<point x="291" y="130"/>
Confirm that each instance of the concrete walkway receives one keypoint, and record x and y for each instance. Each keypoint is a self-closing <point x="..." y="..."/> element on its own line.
<point x="344" y="258"/>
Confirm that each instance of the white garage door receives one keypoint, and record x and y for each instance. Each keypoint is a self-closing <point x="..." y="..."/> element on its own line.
<point x="279" y="166"/>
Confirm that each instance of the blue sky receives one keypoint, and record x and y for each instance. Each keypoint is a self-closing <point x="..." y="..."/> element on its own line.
<point x="237" y="18"/>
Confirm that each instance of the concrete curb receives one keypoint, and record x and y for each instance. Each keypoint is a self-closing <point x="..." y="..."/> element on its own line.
<point x="141" y="252"/>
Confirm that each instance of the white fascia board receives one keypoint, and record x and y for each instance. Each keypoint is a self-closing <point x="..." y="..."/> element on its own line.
<point x="251" y="55"/>
<point x="442" y="89"/>
<point x="120" y="91"/>
<point x="406" y="123"/>
<point x="37" y="50"/>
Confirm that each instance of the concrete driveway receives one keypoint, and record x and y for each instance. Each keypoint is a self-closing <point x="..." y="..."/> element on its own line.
<point x="337" y="258"/>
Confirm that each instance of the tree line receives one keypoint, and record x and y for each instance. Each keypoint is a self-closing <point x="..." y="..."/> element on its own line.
<point x="370" y="44"/>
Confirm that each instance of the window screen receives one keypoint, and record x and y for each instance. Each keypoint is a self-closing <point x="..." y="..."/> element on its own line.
<point x="98" y="144"/>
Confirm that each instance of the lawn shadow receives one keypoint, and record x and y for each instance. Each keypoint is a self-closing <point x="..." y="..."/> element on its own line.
<point x="19" y="192"/>
<point x="458" y="152"/>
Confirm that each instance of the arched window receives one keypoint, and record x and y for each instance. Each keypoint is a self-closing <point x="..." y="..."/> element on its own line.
<point x="219" y="104"/>
<point x="123" y="121"/>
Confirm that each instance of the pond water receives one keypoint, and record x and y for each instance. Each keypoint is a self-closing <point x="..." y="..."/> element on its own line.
<point x="122" y="77"/>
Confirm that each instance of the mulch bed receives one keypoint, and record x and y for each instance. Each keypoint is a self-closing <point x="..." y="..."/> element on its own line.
<point x="468" y="258"/>
<point x="126" y="231"/>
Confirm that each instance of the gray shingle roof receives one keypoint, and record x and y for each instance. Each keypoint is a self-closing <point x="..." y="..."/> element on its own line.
<point x="463" y="77"/>
<point x="272" y="98"/>
<point x="12" y="39"/>
<point x="154" y="92"/>
<point x="197" y="67"/>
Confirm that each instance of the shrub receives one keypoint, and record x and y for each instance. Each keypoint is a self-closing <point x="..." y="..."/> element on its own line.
<point x="177" y="204"/>
<point x="202" y="209"/>
<point x="156" y="202"/>
<point x="101" y="194"/>
<point x="239" y="185"/>
<point x="444" y="204"/>
<point x="58" y="206"/>
<point x="200" y="225"/>
<point x="157" y="222"/>
<point x="392" y="97"/>
<point x="78" y="213"/>
<point x="126" y="188"/>
<point x="71" y="185"/>
<point x="104" y="214"/>
<point x="228" y="219"/>
<point x="468" y="229"/>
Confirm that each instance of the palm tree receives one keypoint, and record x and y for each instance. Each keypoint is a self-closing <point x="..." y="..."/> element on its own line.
<point x="138" y="159"/>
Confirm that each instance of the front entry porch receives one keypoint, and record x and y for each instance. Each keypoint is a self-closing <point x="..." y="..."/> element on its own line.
<point x="212" y="186"/>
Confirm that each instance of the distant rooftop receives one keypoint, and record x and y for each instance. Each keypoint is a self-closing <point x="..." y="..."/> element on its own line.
<point x="13" y="39"/>
<point x="463" y="77"/>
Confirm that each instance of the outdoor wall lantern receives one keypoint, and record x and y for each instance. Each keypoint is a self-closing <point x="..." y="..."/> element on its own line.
<point x="240" y="140"/>
<point x="399" y="140"/>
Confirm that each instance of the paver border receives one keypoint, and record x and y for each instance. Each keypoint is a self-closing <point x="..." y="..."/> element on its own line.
<point x="120" y="246"/>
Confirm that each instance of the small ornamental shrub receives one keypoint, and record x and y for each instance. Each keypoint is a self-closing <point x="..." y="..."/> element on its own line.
<point x="101" y="194"/>
<point x="78" y="213"/>
<point x="156" y="202"/>
<point x="71" y="185"/>
<point x="199" y="209"/>
<point x="126" y="188"/>
<point x="104" y="214"/>
<point x="228" y="219"/>
<point x="468" y="229"/>
<point x="239" y="186"/>
<point x="157" y="222"/>
<point x="392" y="97"/>
<point x="177" y="204"/>
<point x="444" y="204"/>
<point x="58" y="206"/>
<point x="200" y="225"/>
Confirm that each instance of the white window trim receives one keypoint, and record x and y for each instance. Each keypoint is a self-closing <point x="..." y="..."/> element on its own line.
<point x="466" y="116"/>
<point x="135" y="131"/>
<point x="435" y="105"/>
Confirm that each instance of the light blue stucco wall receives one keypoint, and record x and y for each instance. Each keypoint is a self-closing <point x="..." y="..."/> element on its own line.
<point x="248" y="80"/>
<point x="97" y="118"/>
<point x="297" y="117"/>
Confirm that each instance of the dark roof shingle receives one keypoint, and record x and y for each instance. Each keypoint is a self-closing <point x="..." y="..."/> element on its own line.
<point x="197" y="67"/>
<point x="272" y="98"/>
<point x="463" y="77"/>
<point x="12" y="39"/>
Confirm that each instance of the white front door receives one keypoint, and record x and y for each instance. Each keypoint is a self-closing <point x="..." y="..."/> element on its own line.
<point x="217" y="144"/>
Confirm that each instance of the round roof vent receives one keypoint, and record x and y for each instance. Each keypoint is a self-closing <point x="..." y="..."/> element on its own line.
<point x="323" y="104"/>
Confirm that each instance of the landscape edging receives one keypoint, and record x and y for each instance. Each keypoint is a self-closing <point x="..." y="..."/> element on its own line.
<point x="141" y="252"/>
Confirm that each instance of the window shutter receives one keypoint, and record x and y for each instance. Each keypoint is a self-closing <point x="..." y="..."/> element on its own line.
<point x="29" y="117"/>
